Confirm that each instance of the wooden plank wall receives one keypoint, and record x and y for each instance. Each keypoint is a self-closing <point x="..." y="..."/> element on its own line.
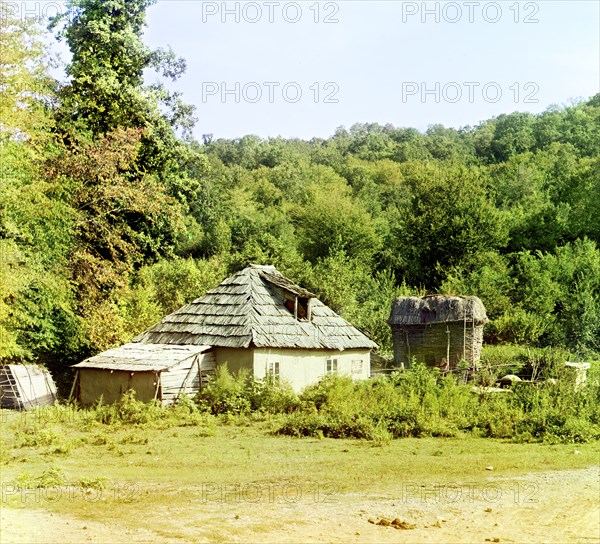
<point x="26" y="386"/>
<point x="187" y="377"/>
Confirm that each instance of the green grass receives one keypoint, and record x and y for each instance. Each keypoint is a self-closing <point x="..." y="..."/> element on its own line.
<point x="195" y="465"/>
<point x="128" y="474"/>
<point x="186" y="456"/>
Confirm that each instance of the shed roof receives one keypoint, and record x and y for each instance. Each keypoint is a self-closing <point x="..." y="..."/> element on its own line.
<point x="437" y="309"/>
<point x="136" y="357"/>
<point x="248" y="310"/>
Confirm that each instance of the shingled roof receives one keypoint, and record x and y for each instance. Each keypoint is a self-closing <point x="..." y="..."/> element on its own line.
<point x="248" y="310"/>
<point x="142" y="357"/>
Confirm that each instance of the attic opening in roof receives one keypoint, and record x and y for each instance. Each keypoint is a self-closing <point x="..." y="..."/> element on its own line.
<point x="296" y="299"/>
<point x="260" y="320"/>
<point x="298" y="306"/>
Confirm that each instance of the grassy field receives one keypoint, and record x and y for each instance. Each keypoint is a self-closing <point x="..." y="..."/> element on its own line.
<point x="230" y="465"/>
<point x="127" y="472"/>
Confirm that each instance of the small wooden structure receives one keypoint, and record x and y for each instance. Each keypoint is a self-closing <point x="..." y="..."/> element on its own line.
<point x="437" y="330"/>
<point x="26" y="386"/>
<point x="153" y="371"/>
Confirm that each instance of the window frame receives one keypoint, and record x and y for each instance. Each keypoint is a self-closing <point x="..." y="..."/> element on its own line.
<point x="273" y="370"/>
<point x="331" y="366"/>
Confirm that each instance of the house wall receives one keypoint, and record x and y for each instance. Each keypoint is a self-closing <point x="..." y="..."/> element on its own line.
<point x="95" y="382"/>
<point x="429" y="344"/>
<point x="236" y="358"/>
<point x="304" y="367"/>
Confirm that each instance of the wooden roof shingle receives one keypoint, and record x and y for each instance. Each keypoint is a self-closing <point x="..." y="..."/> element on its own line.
<point x="142" y="357"/>
<point x="247" y="310"/>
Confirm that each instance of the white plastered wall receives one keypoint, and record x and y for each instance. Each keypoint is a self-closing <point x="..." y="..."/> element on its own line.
<point x="302" y="367"/>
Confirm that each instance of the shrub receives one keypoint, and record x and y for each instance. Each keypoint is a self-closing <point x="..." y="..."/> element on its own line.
<point x="51" y="477"/>
<point x="227" y="394"/>
<point x="241" y="394"/>
<point x="273" y="396"/>
<point x="422" y="402"/>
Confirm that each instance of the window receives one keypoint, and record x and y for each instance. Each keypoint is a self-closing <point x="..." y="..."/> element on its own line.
<point x="273" y="370"/>
<point x="303" y="309"/>
<point x="298" y="306"/>
<point x="357" y="366"/>
<point x="331" y="366"/>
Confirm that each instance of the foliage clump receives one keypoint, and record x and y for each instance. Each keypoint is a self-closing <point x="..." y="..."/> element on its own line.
<point x="417" y="402"/>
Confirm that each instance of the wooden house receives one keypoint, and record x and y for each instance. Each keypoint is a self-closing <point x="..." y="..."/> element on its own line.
<point x="256" y="319"/>
<point x="437" y="330"/>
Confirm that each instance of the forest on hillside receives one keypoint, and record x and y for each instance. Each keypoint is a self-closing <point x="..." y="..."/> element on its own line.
<point x="112" y="215"/>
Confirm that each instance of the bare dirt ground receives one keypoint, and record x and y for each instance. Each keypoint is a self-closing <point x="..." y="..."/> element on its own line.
<point x="544" y="507"/>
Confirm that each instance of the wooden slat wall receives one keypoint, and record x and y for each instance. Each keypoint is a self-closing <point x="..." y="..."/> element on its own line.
<point x="33" y="386"/>
<point x="185" y="378"/>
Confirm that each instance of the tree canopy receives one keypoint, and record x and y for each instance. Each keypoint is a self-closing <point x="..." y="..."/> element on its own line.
<point x="111" y="216"/>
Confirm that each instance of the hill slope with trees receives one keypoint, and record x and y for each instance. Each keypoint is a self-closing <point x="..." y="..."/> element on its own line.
<point x="112" y="215"/>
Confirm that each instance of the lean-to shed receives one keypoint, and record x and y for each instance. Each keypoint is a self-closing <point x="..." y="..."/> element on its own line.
<point x="153" y="371"/>
<point x="437" y="330"/>
<point x="26" y="386"/>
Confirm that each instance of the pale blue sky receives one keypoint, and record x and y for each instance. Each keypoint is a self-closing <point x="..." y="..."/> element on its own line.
<point x="377" y="59"/>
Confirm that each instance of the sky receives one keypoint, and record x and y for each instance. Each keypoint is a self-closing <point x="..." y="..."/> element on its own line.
<point x="302" y="69"/>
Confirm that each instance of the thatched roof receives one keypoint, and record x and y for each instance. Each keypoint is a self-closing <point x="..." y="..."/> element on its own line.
<point x="437" y="309"/>
<point x="248" y="310"/>
<point x="137" y="357"/>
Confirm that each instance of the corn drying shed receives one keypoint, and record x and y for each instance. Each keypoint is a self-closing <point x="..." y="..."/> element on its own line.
<point x="437" y="330"/>
<point x="256" y="319"/>
<point x="26" y="386"/>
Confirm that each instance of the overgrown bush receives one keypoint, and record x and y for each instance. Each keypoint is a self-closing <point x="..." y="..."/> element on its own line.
<point x="524" y="361"/>
<point x="130" y="411"/>
<point x="227" y="394"/>
<point x="241" y="394"/>
<point x="409" y="403"/>
<point x="423" y="402"/>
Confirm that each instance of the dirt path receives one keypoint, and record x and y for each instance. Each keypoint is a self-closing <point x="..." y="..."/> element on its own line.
<point x="546" y="507"/>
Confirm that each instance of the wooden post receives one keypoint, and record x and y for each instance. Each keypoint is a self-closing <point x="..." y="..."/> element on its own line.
<point x="199" y="372"/>
<point x="73" y="387"/>
<point x="448" y="348"/>
<point x="473" y="362"/>
<point x="465" y="333"/>
<point x="157" y="386"/>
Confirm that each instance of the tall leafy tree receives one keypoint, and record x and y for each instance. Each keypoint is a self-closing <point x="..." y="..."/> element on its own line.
<point x="35" y="225"/>
<point x="450" y="220"/>
<point x="106" y="89"/>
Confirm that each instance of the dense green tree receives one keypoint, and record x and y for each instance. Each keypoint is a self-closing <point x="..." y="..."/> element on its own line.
<point x="450" y="219"/>
<point x="333" y="220"/>
<point x="448" y="144"/>
<point x="106" y="89"/>
<point x="35" y="226"/>
<point x="513" y="134"/>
